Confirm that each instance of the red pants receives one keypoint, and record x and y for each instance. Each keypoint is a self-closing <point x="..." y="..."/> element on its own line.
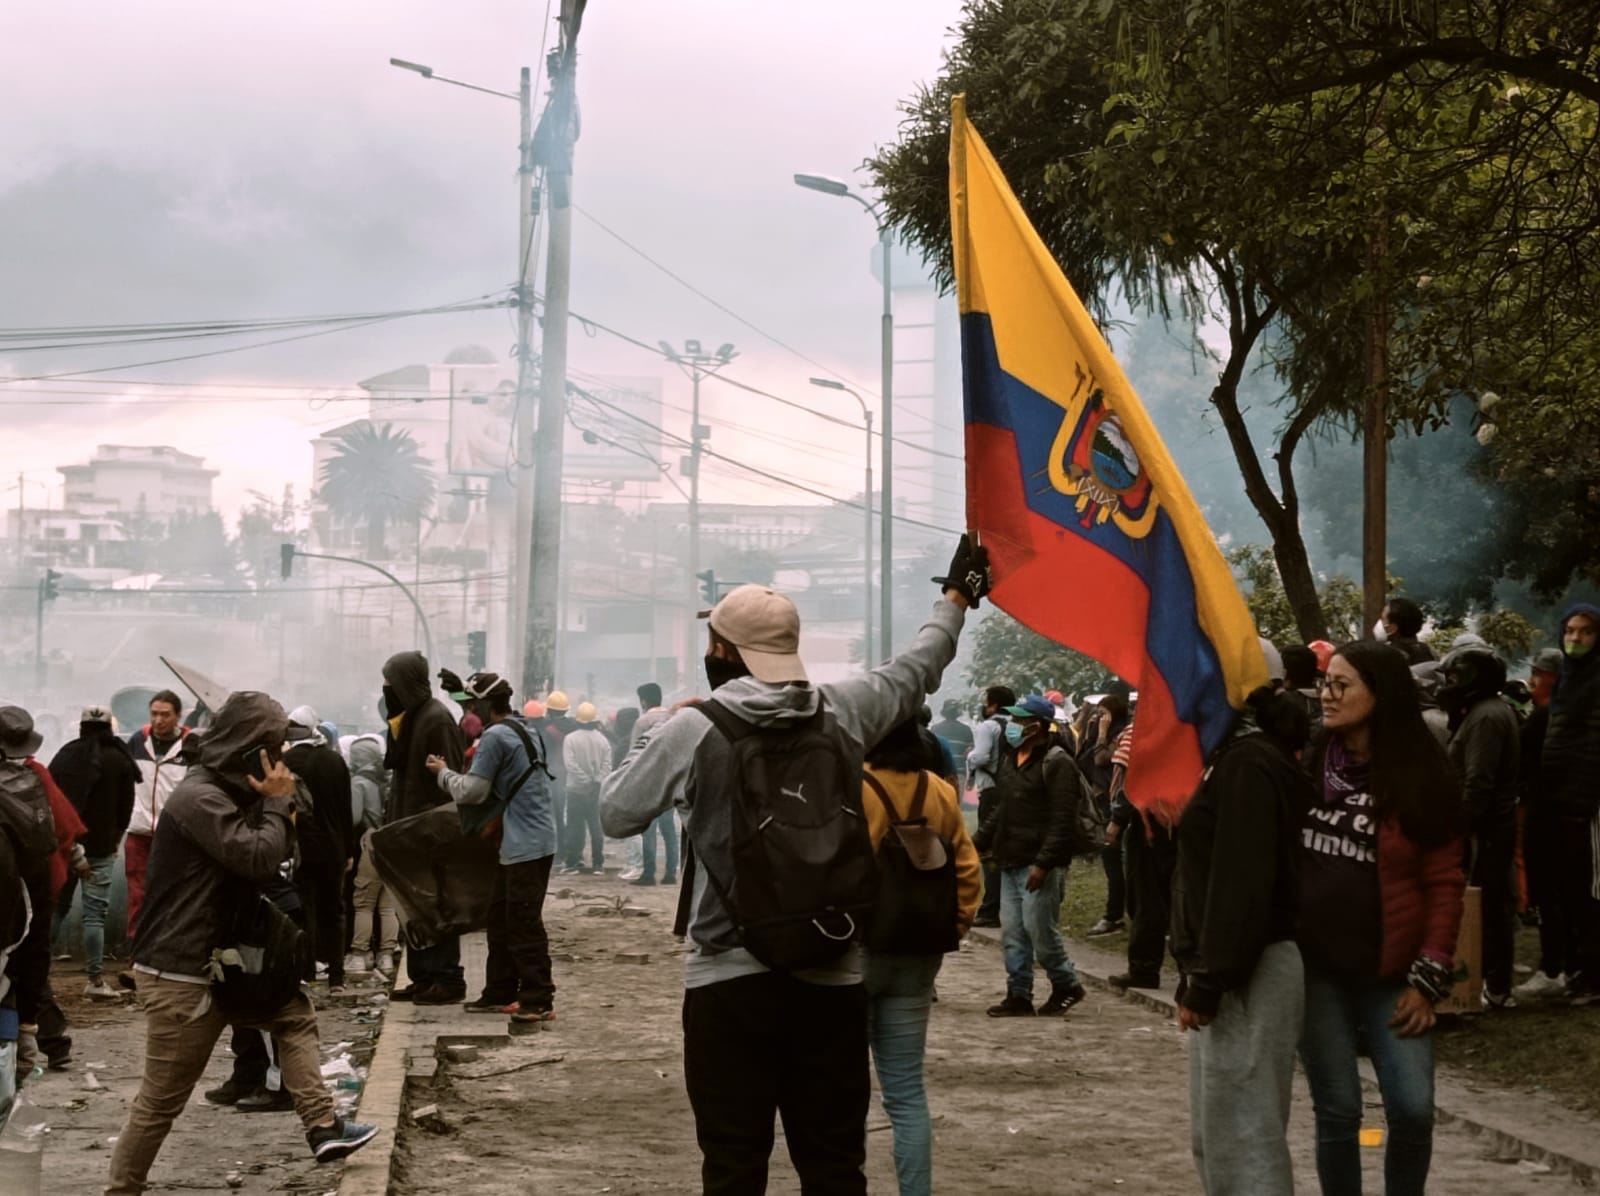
<point x="135" y="859"/>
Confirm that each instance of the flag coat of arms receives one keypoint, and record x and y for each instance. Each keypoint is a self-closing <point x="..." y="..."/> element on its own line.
<point x="1094" y="539"/>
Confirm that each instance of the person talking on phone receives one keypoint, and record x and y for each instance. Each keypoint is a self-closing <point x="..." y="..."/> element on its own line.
<point x="230" y="820"/>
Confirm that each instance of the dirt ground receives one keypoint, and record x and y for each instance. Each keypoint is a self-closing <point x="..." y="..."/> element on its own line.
<point x="261" y="1152"/>
<point x="1094" y="1101"/>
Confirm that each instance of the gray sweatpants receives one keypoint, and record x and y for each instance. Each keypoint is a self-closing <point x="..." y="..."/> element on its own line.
<point x="1241" y="1068"/>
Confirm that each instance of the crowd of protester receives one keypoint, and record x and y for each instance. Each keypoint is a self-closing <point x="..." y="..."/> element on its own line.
<point x="1310" y="892"/>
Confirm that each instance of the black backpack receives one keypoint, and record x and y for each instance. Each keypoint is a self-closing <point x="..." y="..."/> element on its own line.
<point x="25" y="818"/>
<point x="262" y="959"/>
<point x="804" y="875"/>
<point x="917" y="903"/>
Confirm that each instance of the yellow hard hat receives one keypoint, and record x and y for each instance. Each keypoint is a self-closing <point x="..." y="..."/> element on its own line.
<point x="586" y="712"/>
<point x="557" y="701"/>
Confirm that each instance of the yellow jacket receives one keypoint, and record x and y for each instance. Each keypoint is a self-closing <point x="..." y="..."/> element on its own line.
<point x="942" y="809"/>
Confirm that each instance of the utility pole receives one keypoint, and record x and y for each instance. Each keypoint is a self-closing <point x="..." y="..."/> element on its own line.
<point x="521" y="542"/>
<point x="697" y="364"/>
<point x="886" y="613"/>
<point x="1375" y="414"/>
<point x="553" y="149"/>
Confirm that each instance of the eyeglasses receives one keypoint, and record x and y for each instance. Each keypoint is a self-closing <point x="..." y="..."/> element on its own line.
<point x="1335" y="687"/>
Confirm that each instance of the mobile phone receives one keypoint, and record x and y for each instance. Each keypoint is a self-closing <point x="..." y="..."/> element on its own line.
<point x="250" y="758"/>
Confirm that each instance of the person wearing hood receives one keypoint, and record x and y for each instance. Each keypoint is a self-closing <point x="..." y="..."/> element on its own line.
<point x="372" y="899"/>
<point x="1241" y="990"/>
<point x="1485" y="748"/>
<point x="327" y="842"/>
<point x="758" y="1043"/>
<point x="98" y="775"/>
<point x="421" y="726"/>
<point x="1568" y="768"/>
<point x="225" y="832"/>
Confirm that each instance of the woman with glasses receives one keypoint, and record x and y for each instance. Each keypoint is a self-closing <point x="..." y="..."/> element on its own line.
<point x="1380" y="905"/>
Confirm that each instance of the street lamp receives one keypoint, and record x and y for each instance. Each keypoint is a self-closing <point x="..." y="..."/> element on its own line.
<point x="866" y="511"/>
<point x="526" y="419"/>
<point x="838" y="188"/>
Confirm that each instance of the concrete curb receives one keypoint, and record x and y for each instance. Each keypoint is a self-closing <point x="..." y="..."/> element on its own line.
<point x="1454" y="1103"/>
<point x="382" y="1103"/>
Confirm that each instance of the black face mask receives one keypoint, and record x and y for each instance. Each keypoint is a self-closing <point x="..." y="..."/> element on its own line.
<point x="720" y="671"/>
<point x="391" y="702"/>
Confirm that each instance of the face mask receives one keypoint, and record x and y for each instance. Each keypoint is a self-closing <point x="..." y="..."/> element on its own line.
<point x="1380" y="632"/>
<point x="1577" y="648"/>
<point x="392" y="704"/>
<point x="1015" y="734"/>
<point x="720" y="671"/>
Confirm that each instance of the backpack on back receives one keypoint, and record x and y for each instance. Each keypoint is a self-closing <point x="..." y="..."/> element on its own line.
<point x="25" y="818"/>
<point x="917" y="901"/>
<point x="804" y="875"/>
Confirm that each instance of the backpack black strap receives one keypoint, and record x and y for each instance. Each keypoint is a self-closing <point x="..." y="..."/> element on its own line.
<point x="918" y="798"/>
<point x="536" y="757"/>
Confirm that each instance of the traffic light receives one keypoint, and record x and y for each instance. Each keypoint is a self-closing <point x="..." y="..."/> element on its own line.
<point x="477" y="649"/>
<point x="286" y="560"/>
<point x="708" y="585"/>
<point x="48" y="589"/>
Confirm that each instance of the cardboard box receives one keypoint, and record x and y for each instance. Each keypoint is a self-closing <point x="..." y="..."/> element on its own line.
<point x="1467" y="996"/>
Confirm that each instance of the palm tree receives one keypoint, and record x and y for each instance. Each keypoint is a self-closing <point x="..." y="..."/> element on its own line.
<point x="377" y="475"/>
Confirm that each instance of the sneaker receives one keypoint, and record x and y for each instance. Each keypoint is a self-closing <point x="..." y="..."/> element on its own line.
<point x="1580" y="991"/>
<point x="1127" y="980"/>
<point x="631" y="874"/>
<point x="62" y="957"/>
<point x="385" y="963"/>
<point x="1062" y="998"/>
<point x="533" y="1013"/>
<point x="329" y="1143"/>
<point x="987" y="921"/>
<point x="358" y="961"/>
<point x="1540" y="986"/>
<point x="643" y="881"/>
<point x="670" y="878"/>
<point x="1492" y="1000"/>
<point x="408" y="993"/>
<point x="98" y="990"/>
<point x="1104" y="927"/>
<point x="263" y="1100"/>
<point x="1012" y="1006"/>
<point x="440" y="994"/>
<point x="229" y="1094"/>
<point x="487" y="1004"/>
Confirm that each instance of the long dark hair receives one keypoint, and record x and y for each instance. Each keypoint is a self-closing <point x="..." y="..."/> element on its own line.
<point x="1412" y="780"/>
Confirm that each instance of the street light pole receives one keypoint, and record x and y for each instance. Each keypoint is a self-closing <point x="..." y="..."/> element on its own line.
<point x="698" y="365"/>
<point x="837" y="187"/>
<point x="866" y="517"/>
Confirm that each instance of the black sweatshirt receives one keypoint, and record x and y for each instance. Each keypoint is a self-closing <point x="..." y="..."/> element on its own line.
<point x="1034" y="811"/>
<point x="1235" y="890"/>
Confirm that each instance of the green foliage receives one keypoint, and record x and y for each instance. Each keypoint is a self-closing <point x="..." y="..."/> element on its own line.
<point x="1257" y="575"/>
<point x="1004" y="652"/>
<point x="1509" y="634"/>
<point x="376" y="476"/>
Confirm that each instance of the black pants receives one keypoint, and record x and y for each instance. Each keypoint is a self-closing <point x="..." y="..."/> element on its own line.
<point x="1494" y="847"/>
<point x="1569" y="916"/>
<point x="320" y="884"/>
<point x="989" y="907"/>
<point x="254" y="1053"/>
<point x="518" y="968"/>
<point x="770" y="1044"/>
<point x="438" y="964"/>
<point x="1149" y="864"/>
<point x="583" y="816"/>
<point x="1116" y="885"/>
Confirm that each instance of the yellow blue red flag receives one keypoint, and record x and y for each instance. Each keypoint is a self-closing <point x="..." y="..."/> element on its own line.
<point x="1094" y="539"/>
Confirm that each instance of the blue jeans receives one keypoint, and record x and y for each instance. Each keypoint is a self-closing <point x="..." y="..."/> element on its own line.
<point x="668" y="827"/>
<point x="899" y="996"/>
<point x="1030" y="928"/>
<point x="1336" y="1008"/>
<point x="96" y="900"/>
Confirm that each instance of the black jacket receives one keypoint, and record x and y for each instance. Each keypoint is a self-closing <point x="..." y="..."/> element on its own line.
<point x="216" y="844"/>
<point x="98" y="775"/>
<point x="1569" y="769"/>
<point x="1486" y="751"/>
<point x="428" y="729"/>
<point x="1413" y="649"/>
<point x="1033" y="812"/>
<point x="1235" y="889"/>
<point x="329" y="836"/>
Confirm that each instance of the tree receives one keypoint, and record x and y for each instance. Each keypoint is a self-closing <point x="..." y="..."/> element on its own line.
<point x="1257" y="574"/>
<point x="1004" y="652"/>
<point x="375" y="476"/>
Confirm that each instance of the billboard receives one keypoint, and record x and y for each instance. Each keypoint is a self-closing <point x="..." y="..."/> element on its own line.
<point x="481" y="422"/>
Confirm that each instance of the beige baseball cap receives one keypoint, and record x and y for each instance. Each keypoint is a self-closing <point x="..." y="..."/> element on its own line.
<point x="765" y="627"/>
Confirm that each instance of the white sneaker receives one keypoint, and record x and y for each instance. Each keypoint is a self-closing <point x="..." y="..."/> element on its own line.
<point x="1542" y="986"/>
<point x="357" y="961"/>
<point x="98" y="990"/>
<point x="384" y="962"/>
<point x="631" y="874"/>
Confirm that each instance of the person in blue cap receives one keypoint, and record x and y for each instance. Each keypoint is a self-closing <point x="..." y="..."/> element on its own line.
<point x="1029" y="834"/>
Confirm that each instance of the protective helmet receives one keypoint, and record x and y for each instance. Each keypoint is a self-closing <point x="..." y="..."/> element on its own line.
<point x="586" y="713"/>
<point x="1324" y="651"/>
<point x="533" y="708"/>
<point x="556" y="702"/>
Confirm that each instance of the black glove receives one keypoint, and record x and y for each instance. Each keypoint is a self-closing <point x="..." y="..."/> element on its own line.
<point x="969" y="570"/>
<point x="449" y="682"/>
<point x="1431" y="978"/>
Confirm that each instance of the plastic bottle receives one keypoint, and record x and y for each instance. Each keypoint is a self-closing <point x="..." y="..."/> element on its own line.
<point x="22" y="1150"/>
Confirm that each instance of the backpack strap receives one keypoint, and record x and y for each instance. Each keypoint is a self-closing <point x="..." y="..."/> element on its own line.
<point x="536" y="757"/>
<point x="919" y="797"/>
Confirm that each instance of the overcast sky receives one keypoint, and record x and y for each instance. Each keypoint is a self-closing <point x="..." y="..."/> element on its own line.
<point x="185" y="160"/>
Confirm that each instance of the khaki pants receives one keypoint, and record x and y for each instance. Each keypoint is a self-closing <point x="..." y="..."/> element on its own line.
<point x="182" y="1024"/>
<point x="371" y="894"/>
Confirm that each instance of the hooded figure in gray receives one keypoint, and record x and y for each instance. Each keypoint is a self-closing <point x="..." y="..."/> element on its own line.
<point x="218" y="841"/>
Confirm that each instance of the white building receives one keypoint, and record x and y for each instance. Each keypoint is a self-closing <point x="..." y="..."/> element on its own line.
<point x="152" y="481"/>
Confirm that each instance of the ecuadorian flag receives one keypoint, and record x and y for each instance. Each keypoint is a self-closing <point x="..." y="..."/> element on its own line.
<point x="1094" y="540"/>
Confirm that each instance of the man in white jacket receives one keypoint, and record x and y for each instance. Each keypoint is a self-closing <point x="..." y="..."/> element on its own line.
<point x="157" y="749"/>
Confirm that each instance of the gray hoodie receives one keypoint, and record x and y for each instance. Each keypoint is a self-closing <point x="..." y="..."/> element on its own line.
<point x="658" y="773"/>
